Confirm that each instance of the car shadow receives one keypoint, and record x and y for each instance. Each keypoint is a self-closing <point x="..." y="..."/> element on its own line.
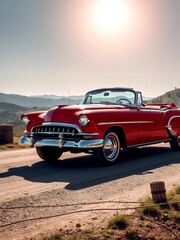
<point x="82" y="172"/>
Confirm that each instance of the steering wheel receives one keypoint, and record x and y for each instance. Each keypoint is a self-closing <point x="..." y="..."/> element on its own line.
<point x="123" y="99"/>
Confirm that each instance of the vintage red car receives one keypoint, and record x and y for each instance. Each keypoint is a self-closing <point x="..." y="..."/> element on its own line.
<point x="107" y="121"/>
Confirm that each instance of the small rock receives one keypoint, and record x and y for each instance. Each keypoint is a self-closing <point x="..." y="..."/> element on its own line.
<point x="78" y="225"/>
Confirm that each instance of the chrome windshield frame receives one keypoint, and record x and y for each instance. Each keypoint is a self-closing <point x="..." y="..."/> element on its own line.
<point x="105" y="90"/>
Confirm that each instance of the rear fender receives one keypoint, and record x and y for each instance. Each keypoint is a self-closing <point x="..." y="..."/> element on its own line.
<point x="173" y="127"/>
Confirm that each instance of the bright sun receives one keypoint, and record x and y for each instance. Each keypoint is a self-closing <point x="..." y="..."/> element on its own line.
<point x="111" y="15"/>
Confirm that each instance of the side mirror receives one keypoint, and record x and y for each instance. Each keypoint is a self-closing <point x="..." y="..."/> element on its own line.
<point x="144" y="103"/>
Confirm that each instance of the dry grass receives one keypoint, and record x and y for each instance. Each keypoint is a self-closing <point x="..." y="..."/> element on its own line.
<point x="15" y="145"/>
<point x="149" y="223"/>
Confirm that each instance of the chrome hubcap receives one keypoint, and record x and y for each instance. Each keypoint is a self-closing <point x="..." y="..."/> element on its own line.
<point x="111" y="147"/>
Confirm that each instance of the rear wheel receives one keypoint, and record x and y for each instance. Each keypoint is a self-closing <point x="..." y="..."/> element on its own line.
<point x="109" y="153"/>
<point x="175" y="144"/>
<point x="49" y="153"/>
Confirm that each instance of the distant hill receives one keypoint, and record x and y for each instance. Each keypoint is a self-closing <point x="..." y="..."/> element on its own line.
<point x="78" y="97"/>
<point x="12" y="107"/>
<point x="10" y="113"/>
<point x="39" y="102"/>
<point x="168" y="97"/>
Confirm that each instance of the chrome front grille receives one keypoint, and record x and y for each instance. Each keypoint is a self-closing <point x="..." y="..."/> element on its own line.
<point x="53" y="131"/>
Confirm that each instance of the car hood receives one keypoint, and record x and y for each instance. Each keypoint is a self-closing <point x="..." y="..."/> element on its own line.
<point x="70" y="114"/>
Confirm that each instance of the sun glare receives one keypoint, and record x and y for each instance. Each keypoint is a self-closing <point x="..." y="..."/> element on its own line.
<point x="110" y="15"/>
<point x="108" y="30"/>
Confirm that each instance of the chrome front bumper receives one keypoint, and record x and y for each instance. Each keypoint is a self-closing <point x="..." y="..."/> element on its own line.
<point x="61" y="143"/>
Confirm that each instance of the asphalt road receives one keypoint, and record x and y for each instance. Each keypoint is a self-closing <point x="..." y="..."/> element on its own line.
<point x="23" y="173"/>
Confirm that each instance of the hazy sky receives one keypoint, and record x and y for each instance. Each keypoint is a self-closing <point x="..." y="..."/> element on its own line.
<point x="57" y="46"/>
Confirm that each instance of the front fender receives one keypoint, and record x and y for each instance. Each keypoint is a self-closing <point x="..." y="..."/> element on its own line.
<point x="35" y="118"/>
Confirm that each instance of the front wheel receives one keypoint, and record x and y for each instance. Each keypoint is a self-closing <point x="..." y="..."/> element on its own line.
<point x="109" y="153"/>
<point x="175" y="144"/>
<point x="49" y="153"/>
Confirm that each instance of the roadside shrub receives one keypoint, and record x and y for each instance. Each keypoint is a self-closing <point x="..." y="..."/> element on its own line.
<point x="177" y="189"/>
<point x="152" y="211"/>
<point x="132" y="234"/>
<point x="175" y="216"/>
<point x="147" y="209"/>
<point x="174" y="196"/>
<point x="118" y="221"/>
<point x="173" y="192"/>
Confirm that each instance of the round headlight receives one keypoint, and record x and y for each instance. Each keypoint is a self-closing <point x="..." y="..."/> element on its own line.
<point x="25" y="120"/>
<point x="83" y="120"/>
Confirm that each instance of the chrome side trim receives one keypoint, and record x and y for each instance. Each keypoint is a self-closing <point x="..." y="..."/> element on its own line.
<point x="171" y="118"/>
<point x="126" y="122"/>
<point x="170" y="131"/>
<point x="149" y="143"/>
<point x="61" y="125"/>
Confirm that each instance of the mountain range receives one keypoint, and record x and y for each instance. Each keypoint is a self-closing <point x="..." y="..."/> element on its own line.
<point x="45" y="101"/>
<point x="48" y="101"/>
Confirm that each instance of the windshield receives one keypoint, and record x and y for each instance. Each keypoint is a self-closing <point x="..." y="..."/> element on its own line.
<point x="110" y="96"/>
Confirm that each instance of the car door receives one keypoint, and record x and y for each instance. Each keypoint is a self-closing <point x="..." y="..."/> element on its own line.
<point x="151" y="124"/>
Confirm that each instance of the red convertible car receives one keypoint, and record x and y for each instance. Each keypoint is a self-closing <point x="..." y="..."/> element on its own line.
<point x="107" y="121"/>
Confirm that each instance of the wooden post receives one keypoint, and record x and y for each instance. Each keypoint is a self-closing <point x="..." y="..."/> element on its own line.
<point x="6" y="134"/>
<point x="158" y="192"/>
